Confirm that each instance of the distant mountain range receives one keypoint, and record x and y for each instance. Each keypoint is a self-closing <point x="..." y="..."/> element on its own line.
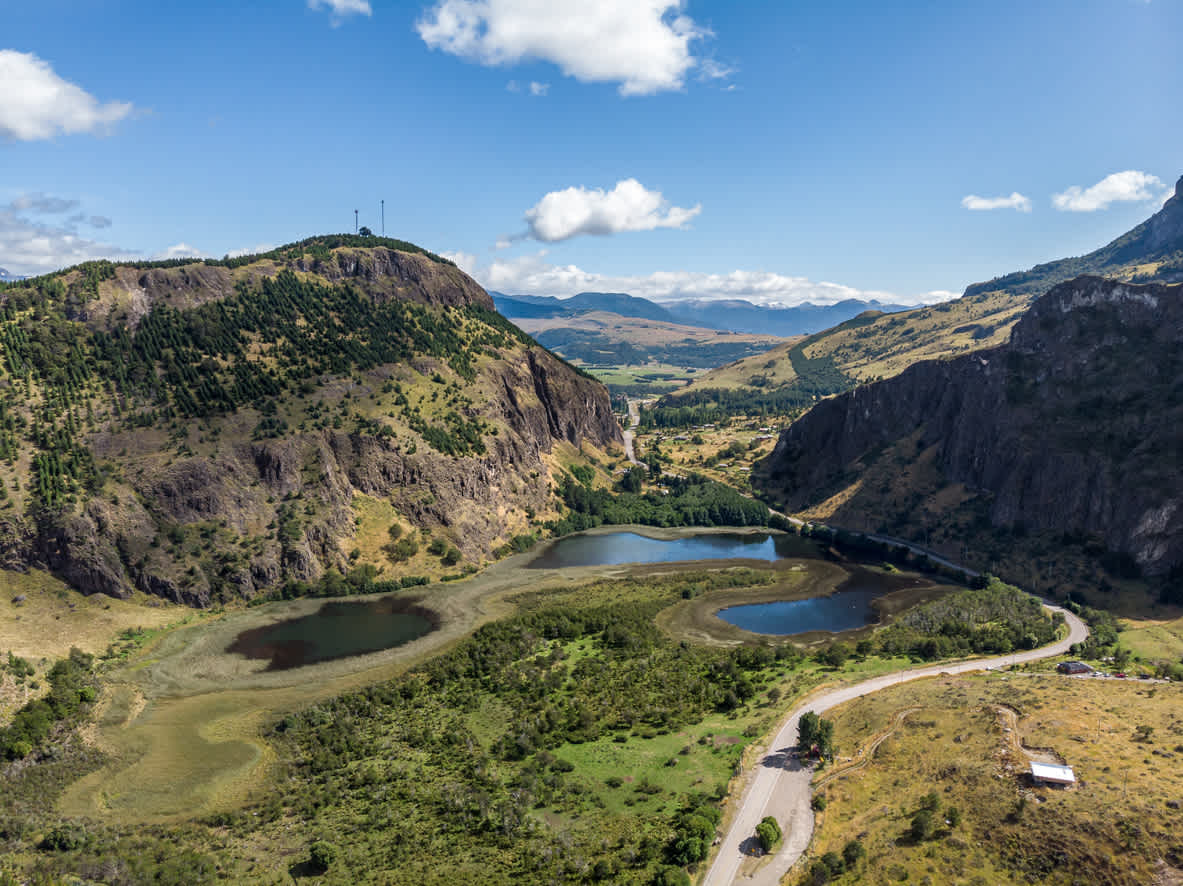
<point x="732" y="315"/>
<point x="6" y="277"/>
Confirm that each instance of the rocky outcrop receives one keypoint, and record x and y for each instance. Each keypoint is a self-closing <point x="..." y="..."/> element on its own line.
<point x="406" y="275"/>
<point x="254" y="509"/>
<point x="1075" y="425"/>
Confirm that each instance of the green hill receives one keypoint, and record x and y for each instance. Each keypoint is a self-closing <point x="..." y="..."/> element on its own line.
<point x="204" y="430"/>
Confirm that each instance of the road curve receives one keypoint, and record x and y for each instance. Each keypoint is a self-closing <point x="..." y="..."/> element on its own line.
<point x="779" y="786"/>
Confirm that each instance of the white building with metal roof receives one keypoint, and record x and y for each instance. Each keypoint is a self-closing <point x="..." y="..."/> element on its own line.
<point x="1052" y="774"/>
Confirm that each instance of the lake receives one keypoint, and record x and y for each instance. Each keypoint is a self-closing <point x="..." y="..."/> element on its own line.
<point x="337" y="630"/>
<point x="847" y="609"/>
<point x="842" y="611"/>
<point x="344" y="628"/>
<point x="614" y="548"/>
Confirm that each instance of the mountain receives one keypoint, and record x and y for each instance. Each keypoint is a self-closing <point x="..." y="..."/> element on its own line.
<point x="205" y="430"/>
<point x="535" y="306"/>
<point x="743" y="316"/>
<point x="1151" y="251"/>
<point x="599" y="338"/>
<point x="6" y="277"/>
<point x="873" y="346"/>
<point x="731" y="315"/>
<point x="1071" y="432"/>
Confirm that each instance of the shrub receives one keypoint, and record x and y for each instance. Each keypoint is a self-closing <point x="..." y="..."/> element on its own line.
<point x="922" y="826"/>
<point x="853" y="852"/>
<point x="768" y="833"/>
<point x="322" y="855"/>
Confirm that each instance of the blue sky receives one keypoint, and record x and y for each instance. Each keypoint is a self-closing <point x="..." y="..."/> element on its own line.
<point x="774" y="151"/>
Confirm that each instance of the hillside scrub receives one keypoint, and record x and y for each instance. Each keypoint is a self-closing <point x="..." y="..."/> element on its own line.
<point x="71" y="686"/>
<point x="692" y="501"/>
<point x="996" y="619"/>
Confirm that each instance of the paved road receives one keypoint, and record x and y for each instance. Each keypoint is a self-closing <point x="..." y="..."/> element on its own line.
<point x="634" y="419"/>
<point x="780" y="786"/>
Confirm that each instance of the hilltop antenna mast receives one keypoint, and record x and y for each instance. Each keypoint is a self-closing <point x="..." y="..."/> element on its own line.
<point x="382" y="213"/>
<point x="355" y="228"/>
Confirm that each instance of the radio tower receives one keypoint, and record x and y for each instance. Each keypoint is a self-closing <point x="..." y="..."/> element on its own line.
<point x="382" y="214"/>
<point x="355" y="228"/>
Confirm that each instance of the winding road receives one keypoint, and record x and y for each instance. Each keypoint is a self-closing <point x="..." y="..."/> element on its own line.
<point x="781" y="787"/>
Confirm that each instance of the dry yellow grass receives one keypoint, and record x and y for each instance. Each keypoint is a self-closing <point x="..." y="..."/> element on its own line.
<point x="1114" y="827"/>
<point x="52" y="618"/>
<point x="887" y="345"/>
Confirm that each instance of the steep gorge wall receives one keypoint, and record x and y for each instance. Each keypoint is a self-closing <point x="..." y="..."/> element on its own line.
<point x="1073" y="426"/>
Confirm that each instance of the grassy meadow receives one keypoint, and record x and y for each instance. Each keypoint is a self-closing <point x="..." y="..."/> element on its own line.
<point x="966" y="741"/>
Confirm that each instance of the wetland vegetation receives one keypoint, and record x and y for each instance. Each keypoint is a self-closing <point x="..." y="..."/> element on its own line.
<point x="586" y="732"/>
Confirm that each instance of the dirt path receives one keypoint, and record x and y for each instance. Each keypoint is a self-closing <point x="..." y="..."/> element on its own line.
<point x="781" y="787"/>
<point x="863" y="757"/>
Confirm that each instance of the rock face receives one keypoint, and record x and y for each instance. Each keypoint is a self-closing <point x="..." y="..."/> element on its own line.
<point x="1075" y="425"/>
<point x="266" y="491"/>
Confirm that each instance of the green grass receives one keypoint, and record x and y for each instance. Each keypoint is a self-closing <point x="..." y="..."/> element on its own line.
<point x="1154" y="640"/>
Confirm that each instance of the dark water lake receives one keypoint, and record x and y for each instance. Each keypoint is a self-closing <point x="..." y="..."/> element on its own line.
<point x="614" y="548"/>
<point x="843" y="611"/>
<point x="340" y="629"/>
<point x="336" y="630"/>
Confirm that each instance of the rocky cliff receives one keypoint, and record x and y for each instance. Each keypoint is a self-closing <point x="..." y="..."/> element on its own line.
<point x="205" y="431"/>
<point x="1073" y="426"/>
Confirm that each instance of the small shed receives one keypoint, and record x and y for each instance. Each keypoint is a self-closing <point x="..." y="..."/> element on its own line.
<point x="1073" y="667"/>
<point x="1047" y="773"/>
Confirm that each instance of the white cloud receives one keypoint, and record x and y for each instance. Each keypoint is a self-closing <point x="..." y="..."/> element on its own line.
<point x="342" y="9"/>
<point x="181" y="250"/>
<point x="1130" y="186"/>
<point x="257" y="249"/>
<point x="1014" y="201"/>
<point x="35" y="103"/>
<point x="43" y="203"/>
<point x="539" y="89"/>
<point x="630" y="206"/>
<point x="709" y="69"/>
<point x="533" y="275"/>
<point x="642" y="45"/>
<point x="30" y="247"/>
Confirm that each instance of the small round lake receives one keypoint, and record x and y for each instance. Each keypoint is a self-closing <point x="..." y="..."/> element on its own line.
<point x="615" y="548"/>
<point x="843" y="611"/>
<point x="336" y="630"/>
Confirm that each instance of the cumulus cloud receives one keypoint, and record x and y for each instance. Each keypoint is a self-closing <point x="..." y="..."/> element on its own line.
<point x="539" y="89"/>
<point x="533" y="275"/>
<point x="32" y="247"/>
<point x="180" y="250"/>
<point x="642" y="45"/>
<point x="1130" y="186"/>
<point x="35" y="103"/>
<point x="629" y="206"/>
<point x="257" y="249"/>
<point x="1014" y="201"/>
